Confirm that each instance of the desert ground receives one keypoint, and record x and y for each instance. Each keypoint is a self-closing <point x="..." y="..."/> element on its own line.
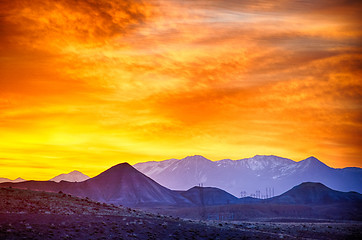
<point x="26" y="214"/>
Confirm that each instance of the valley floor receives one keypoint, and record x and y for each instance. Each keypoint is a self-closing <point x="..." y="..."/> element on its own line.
<point x="79" y="226"/>
<point x="33" y="226"/>
<point x="26" y="214"/>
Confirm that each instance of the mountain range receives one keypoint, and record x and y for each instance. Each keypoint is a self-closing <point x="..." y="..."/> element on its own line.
<point x="74" y="176"/>
<point x="259" y="176"/>
<point x="9" y="180"/>
<point x="305" y="201"/>
<point x="121" y="184"/>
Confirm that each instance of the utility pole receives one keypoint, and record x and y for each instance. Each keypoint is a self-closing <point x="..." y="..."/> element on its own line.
<point x="203" y="210"/>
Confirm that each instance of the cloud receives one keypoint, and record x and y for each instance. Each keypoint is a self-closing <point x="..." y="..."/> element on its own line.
<point x="278" y="6"/>
<point x="60" y="23"/>
<point x="173" y="78"/>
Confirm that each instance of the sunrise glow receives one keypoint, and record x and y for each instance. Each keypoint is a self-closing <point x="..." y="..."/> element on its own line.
<point x="88" y="84"/>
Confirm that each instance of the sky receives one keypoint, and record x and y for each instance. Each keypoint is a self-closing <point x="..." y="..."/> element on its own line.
<point x="87" y="84"/>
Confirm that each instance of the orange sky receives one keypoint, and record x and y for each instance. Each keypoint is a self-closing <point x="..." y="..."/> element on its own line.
<point x="88" y="84"/>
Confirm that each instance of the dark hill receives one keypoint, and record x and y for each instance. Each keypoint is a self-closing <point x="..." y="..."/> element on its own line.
<point x="306" y="201"/>
<point x="315" y="193"/>
<point x="249" y="200"/>
<point x="208" y="196"/>
<point x="124" y="184"/>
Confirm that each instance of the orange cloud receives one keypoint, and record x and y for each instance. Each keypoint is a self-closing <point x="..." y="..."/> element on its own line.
<point x="69" y="22"/>
<point x="87" y="84"/>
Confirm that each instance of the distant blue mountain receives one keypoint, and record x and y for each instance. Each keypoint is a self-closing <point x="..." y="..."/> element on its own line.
<point x="124" y="185"/>
<point x="270" y="175"/>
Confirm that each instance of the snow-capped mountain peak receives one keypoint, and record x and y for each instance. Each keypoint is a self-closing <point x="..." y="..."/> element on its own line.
<point x="195" y="158"/>
<point x="261" y="162"/>
<point x="251" y="175"/>
<point x="74" y="176"/>
<point x="312" y="162"/>
<point x="154" y="167"/>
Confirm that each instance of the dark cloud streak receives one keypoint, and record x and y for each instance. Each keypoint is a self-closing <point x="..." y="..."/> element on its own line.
<point x="85" y="21"/>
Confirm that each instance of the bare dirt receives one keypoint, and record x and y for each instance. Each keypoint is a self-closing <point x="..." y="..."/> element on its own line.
<point x="26" y="214"/>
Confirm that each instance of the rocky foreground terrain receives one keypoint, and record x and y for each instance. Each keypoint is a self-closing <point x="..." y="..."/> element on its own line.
<point x="26" y="214"/>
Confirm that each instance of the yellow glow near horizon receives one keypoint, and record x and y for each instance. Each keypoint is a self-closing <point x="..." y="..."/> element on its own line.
<point x="87" y="84"/>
